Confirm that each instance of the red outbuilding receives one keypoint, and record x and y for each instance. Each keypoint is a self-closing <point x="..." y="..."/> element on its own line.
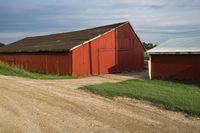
<point x="177" y="59"/>
<point x="100" y="50"/>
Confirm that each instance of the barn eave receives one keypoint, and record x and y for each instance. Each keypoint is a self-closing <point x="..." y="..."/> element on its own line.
<point x="173" y="53"/>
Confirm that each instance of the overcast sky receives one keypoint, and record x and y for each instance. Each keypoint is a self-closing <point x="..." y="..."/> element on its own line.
<point x="153" y="20"/>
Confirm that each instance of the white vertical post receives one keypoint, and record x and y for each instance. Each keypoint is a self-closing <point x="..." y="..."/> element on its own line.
<point x="149" y="66"/>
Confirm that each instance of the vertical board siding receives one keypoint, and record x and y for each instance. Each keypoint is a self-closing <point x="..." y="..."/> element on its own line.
<point x="116" y="51"/>
<point x="130" y="49"/>
<point x="98" y="46"/>
<point x="80" y="61"/>
<point x="181" y="67"/>
<point x="55" y="63"/>
<point x="107" y="62"/>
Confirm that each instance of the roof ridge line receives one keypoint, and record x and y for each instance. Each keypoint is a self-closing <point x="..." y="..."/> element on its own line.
<point x="121" y="23"/>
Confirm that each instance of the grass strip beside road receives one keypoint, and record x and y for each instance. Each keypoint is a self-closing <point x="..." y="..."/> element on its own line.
<point x="171" y="95"/>
<point x="9" y="70"/>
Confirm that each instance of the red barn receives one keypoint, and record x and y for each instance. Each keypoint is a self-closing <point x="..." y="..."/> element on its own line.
<point x="100" y="50"/>
<point x="176" y="59"/>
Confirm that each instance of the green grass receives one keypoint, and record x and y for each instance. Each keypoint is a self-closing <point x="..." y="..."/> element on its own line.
<point x="6" y="69"/>
<point x="171" y="95"/>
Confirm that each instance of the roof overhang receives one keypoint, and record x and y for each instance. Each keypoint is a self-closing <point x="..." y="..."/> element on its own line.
<point x="39" y="51"/>
<point x="173" y="53"/>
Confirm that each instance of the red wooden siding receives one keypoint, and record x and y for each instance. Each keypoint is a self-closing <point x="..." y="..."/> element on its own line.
<point x="107" y="61"/>
<point x="119" y="50"/>
<point x="116" y="51"/>
<point x="182" y="67"/>
<point x="87" y="58"/>
<point x="130" y="49"/>
<point x="56" y="63"/>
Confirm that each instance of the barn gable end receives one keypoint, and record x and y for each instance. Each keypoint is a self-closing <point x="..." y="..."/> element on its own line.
<point x="118" y="50"/>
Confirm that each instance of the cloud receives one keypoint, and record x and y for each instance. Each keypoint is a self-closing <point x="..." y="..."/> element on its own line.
<point x="170" y="31"/>
<point x="145" y="3"/>
<point x="27" y="17"/>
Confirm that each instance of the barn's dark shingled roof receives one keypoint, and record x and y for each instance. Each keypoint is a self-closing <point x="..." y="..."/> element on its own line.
<point x="56" y="42"/>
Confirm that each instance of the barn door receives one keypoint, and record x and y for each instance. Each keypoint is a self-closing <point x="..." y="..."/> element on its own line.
<point x="107" y="62"/>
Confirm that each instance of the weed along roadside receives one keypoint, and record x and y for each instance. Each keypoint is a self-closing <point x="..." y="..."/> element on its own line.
<point x="170" y="95"/>
<point x="9" y="70"/>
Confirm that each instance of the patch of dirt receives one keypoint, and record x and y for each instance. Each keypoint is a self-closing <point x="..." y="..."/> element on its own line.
<point x="28" y="105"/>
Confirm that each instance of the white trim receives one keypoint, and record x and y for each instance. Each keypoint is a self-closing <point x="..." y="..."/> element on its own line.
<point x="97" y="37"/>
<point x="85" y="42"/>
<point x="91" y="40"/>
<point x="149" y="67"/>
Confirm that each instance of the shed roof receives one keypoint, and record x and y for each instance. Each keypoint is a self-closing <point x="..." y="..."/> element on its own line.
<point x="178" y="46"/>
<point x="57" y="42"/>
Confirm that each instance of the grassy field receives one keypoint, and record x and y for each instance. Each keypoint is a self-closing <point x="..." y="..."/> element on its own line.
<point x="171" y="95"/>
<point x="6" y="69"/>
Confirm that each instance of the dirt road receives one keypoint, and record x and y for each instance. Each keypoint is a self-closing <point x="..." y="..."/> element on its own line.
<point x="28" y="105"/>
